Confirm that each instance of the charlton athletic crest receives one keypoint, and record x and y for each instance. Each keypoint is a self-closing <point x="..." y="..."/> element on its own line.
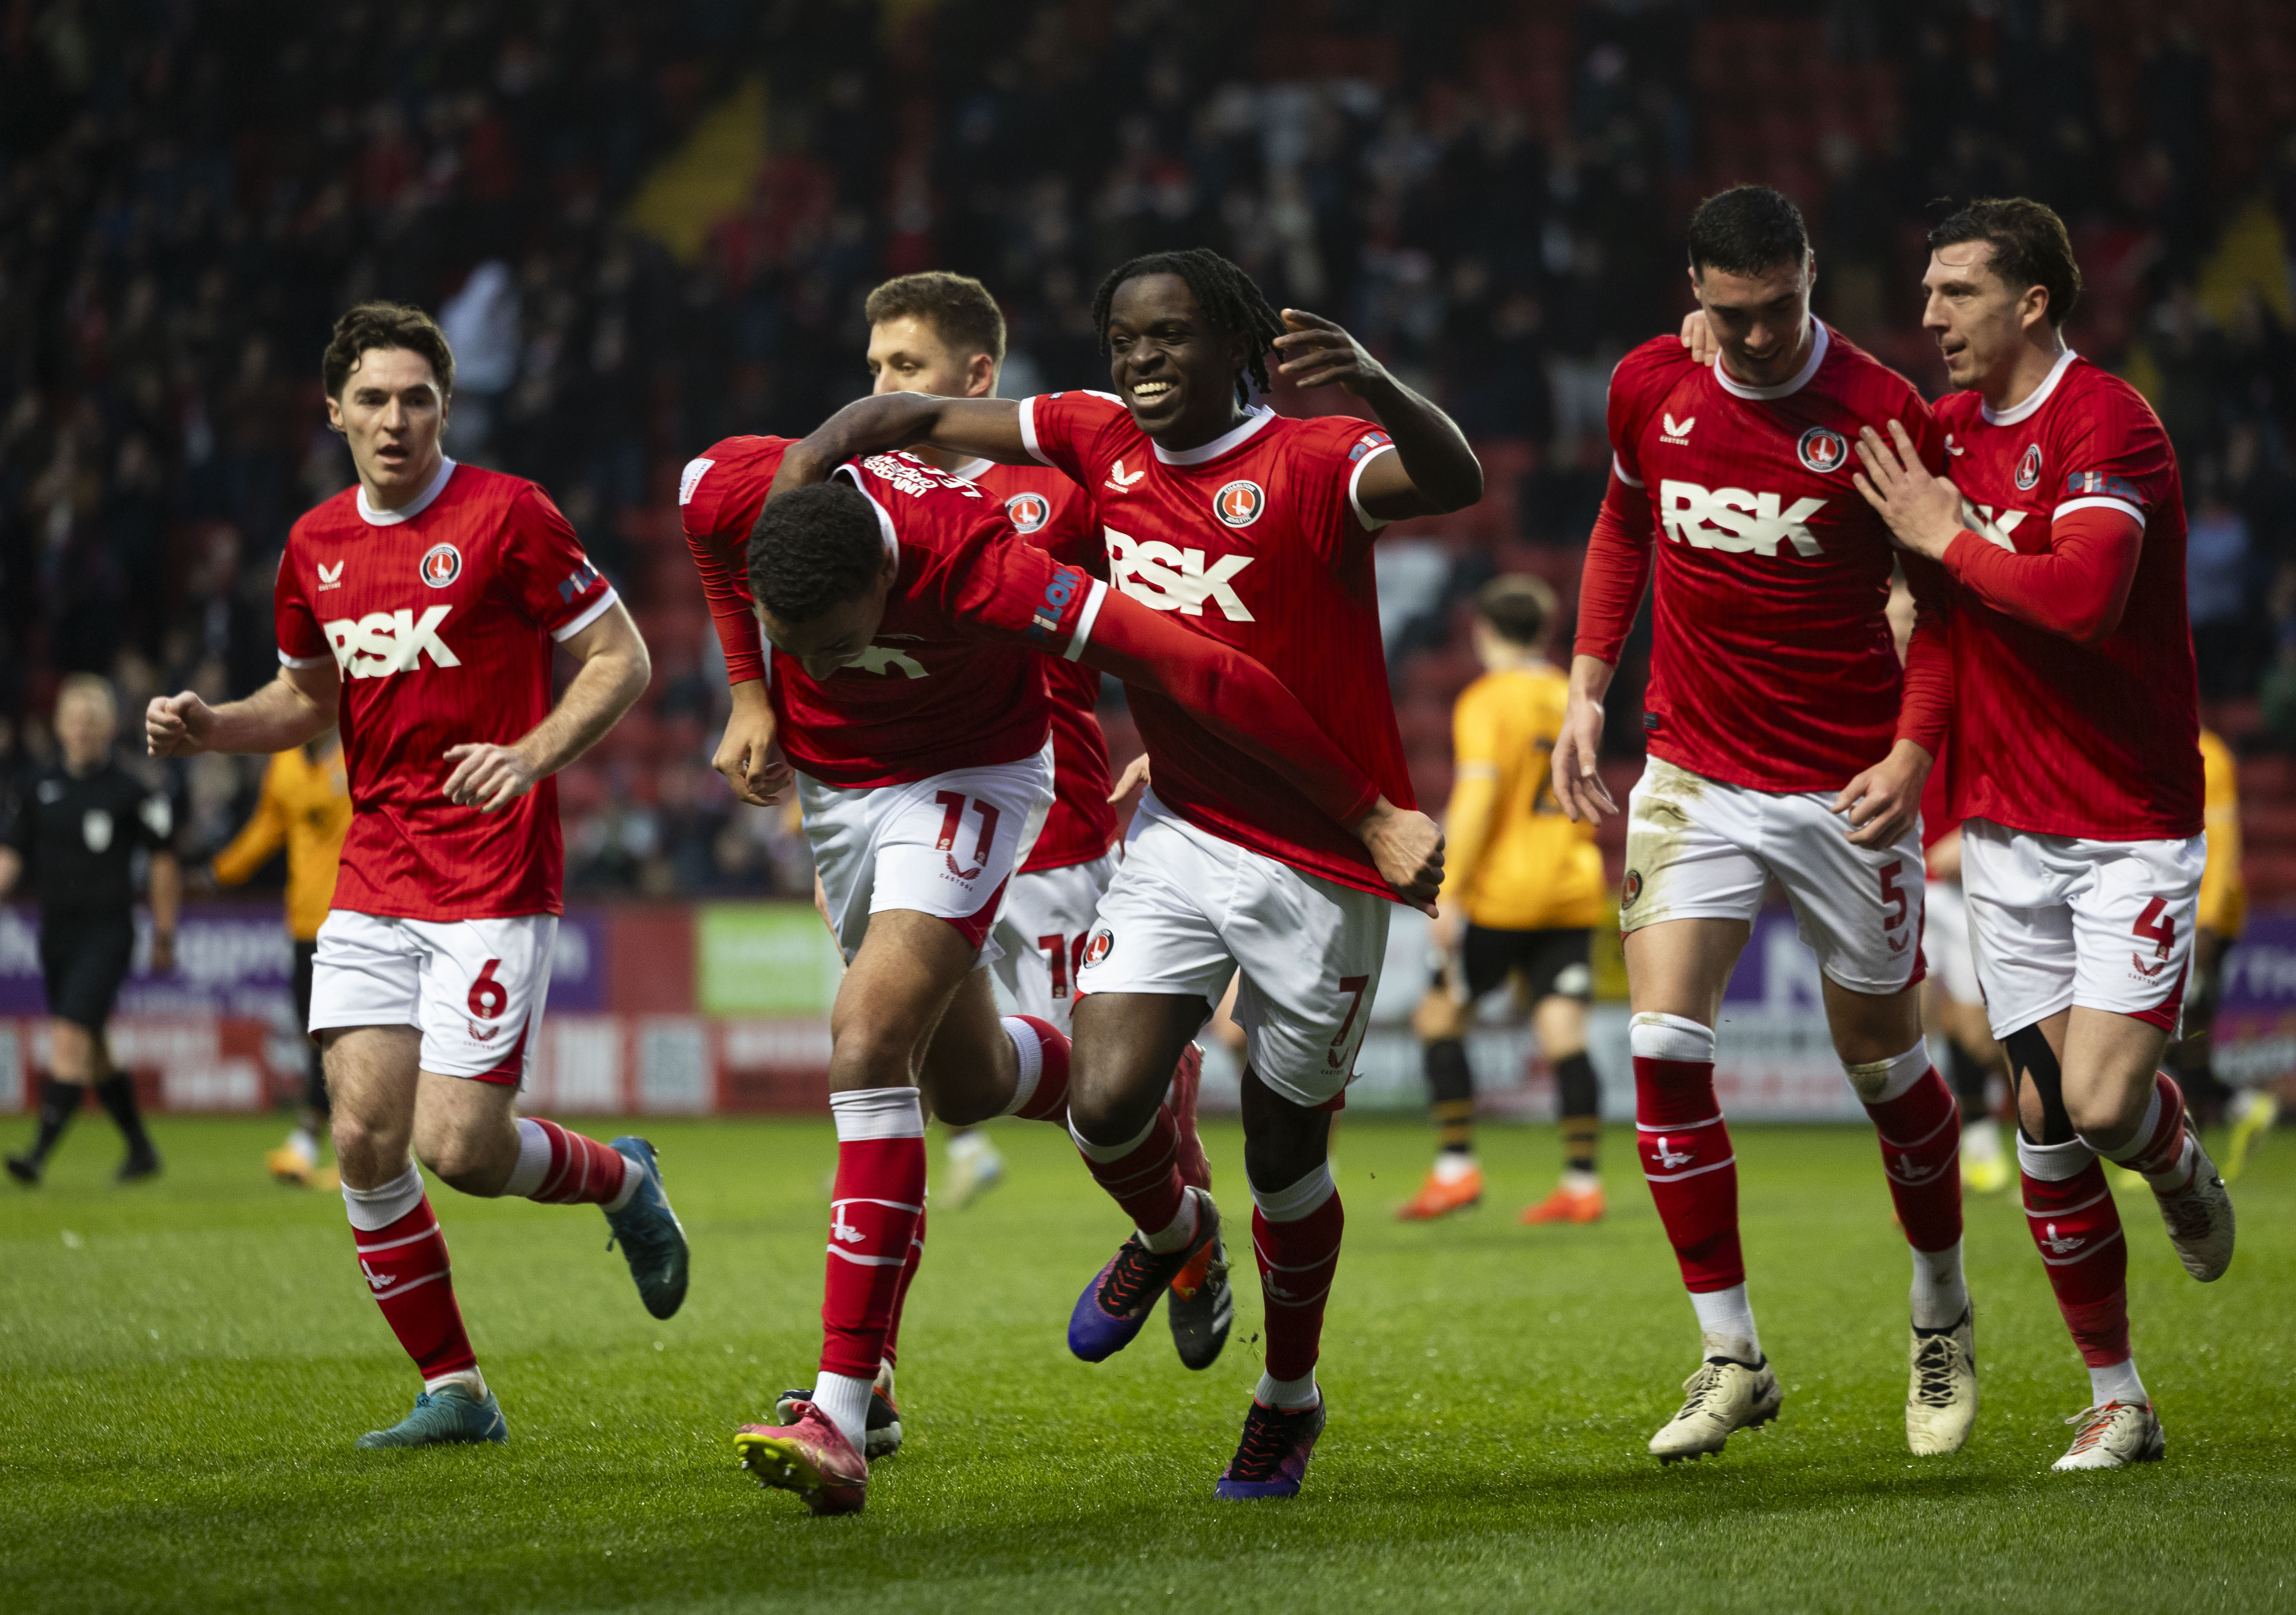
<point x="1104" y="941"/>
<point x="442" y="564"/>
<point x="2029" y="468"/>
<point x="1823" y="450"/>
<point x="1239" y="503"/>
<point x="1631" y="889"/>
<point x="1028" y="512"/>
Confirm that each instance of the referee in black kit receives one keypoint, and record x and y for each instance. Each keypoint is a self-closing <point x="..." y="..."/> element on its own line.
<point x="77" y="828"/>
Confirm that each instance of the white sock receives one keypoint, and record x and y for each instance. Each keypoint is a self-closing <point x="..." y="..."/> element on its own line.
<point x="969" y="1145"/>
<point x="373" y="1210"/>
<point x="533" y="1160"/>
<point x="470" y="1378"/>
<point x="1578" y="1182"/>
<point x="2116" y="1383"/>
<point x="1726" y="1325"/>
<point x="304" y="1144"/>
<point x="633" y="1177"/>
<point x="1941" y="1293"/>
<point x="1452" y="1165"/>
<point x="843" y="1399"/>
<point x="1981" y="1139"/>
<point x="1287" y="1394"/>
<point x="1175" y="1235"/>
<point x="1030" y="1048"/>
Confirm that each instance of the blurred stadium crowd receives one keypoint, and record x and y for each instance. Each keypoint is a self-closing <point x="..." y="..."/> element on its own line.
<point x="647" y="227"/>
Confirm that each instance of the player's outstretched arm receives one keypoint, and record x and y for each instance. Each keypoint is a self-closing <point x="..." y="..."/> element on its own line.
<point x="614" y="671"/>
<point x="1578" y="749"/>
<point x="292" y="708"/>
<point x="1251" y="708"/>
<point x="988" y="428"/>
<point x="747" y="755"/>
<point x="1433" y="470"/>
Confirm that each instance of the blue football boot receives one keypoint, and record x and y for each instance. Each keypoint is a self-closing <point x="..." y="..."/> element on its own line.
<point x="1121" y="1295"/>
<point x="1272" y="1459"/>
<point x="444" y="1416"/>
<point x="653" y="1239"/>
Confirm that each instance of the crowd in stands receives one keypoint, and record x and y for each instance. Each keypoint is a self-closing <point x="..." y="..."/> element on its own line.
<point x="1491" y="192"/>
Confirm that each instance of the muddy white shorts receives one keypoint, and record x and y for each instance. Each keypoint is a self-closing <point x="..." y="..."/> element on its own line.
<point x="1188" y="910"/>
<point x="1945" y="942"/>
<point x="473" y="988"/>
<point x="1699" y="849"/>
<point x="944" y="846"/>
<point x="1041" y="934"/>
<point x="2058" y="921"/>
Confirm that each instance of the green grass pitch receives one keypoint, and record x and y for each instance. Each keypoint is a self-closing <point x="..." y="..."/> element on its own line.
<point x="185" y="1366"/>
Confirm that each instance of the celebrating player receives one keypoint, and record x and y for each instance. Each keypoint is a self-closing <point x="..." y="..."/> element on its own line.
<point x="1255" y="531"/>
<point x="1525" y="886"/>
<point x="2075" y="766"/>
<point x="1774" y="713"/>
<point x="418" y="610"/>
<point x="905" y="621"/>
<point x="306" y="807"/>
<point x="77" y="835"/>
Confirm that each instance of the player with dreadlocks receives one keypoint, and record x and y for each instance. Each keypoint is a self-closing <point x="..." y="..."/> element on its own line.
<point x="1256" y="530"/>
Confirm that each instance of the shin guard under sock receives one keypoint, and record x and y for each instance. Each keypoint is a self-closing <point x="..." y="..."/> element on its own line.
<point x="1685" y="1148"/>
<point x="1142" y="1175"/>
<point x="403" y="1257"/>
<point x="1041" y="1093"/>
<point x="879" y="1196"/>
<point x="2076" y="1228"/>
<point x="1295" y="1239"/>
<point x="1919" y="1127"/>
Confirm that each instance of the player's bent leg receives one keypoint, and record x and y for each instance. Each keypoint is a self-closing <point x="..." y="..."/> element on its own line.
<point x="2129" y="1110"/>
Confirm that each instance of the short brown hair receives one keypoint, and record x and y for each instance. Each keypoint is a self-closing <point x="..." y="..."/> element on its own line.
<point x="2030" y="247"/>
<point x="385" y="325"/>
<point x="957" y="306"/>
<point x="1518" y="607"/>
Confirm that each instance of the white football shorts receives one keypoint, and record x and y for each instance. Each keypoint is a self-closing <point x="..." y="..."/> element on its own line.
<point x="1188" y="910"/>
<point x="1041" y="935"/>
<point x="2058" y="921"/>
<point x="1699" y="849"/>
<point x="473" y="988"/>
<point x="944" y="846"/>
<point x="1945" y="942"/>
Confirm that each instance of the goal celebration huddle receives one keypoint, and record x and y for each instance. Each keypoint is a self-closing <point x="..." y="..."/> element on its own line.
<point x="917" y="599"/>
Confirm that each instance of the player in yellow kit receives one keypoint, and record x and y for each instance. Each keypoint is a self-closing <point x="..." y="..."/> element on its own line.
<point x="2221" y="914"/>
<point x="306" y="807"/>
<point x="1522" y="890"/>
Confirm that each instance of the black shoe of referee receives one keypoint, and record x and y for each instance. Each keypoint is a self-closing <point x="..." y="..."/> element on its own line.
<point x="142" y="1163"/>
<point x="25" y="1170"/>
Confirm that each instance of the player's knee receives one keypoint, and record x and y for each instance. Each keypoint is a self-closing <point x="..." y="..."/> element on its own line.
<point x="464" y="1164"/>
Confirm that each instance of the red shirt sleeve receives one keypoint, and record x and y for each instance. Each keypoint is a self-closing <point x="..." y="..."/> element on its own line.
<point x="302" y="642"/>
<point x="2077" y="587"/>
<point x="551" y="580"/>
<point x="1926" y="706"/>
<point x="1060" y="429"/>
<point x="1617" y="571"/>
<point x="718" y="535"/>
<point x="1330" y="452"/>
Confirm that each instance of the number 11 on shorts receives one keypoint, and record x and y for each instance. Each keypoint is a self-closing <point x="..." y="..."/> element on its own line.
<point x="953" y="805"/>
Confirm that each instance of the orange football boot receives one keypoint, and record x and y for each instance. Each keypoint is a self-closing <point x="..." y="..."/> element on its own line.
<point x="1566" y="1206"/>
<point x="1436" y="1198"/>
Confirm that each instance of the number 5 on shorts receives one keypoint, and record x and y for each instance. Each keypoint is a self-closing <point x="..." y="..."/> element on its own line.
<point x="488" y="996"/>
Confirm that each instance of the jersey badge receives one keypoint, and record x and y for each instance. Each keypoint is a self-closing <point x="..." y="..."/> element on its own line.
<point x="1030" y="511"/>
<point x="442" y="564"/>
<point x="1119" y="482"/>
<point x="1953" y="447"/>
<point x="2102" y="483"/>
<point x="1103" y="943"/>
<point x="2029" y="468"/>
<point x="1676" y="431"/>
<point x="330" y="577"/>
<point x="1239" y="503"/>
<point x="1823" y="450"/>
<point x="1368" y="442"/>
<point x="577" y="582"/>
<point x="1631" y="889"/>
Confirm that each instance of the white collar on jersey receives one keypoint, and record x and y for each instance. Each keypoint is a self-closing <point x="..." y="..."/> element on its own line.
<point x="884" y="516"/>
<point x="1783" y="390"/>
<point x="971" y="469"/>
<point x="1254" y="418"/>
<point x="407" y="512"/>
<point x="2040" y="396"/>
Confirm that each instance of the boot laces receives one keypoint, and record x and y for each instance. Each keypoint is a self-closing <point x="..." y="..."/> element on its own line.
<point x="1703" y="1387"/>
<point x="2094" y="1423"/>
<point x="1933" y="1370"/>
<point x="1136" y="1276"/>
<point x="1266" y="1442"/>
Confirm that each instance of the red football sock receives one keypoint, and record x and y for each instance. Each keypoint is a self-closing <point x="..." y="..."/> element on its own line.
<point x="1693" y="1172"/>
<point x="2158" y="1148"/>
<point x="1297" y="1258"/>
<point x="873" y="1223"/>
<point x="1144" y="1176"/>
<point x="1045" y="1098"/>
<point x="1919" y="1132"/>
<point x="901" y="1293"/>
<point x="407" y="1270"/>
<point x="2078" y="1229"/>
<point x="582" y="1171"/>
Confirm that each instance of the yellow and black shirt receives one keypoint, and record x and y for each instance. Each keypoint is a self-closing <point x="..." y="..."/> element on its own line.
<point x="1514" y="862"/>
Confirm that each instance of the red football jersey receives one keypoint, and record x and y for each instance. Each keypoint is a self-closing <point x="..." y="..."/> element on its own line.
<point x="1052" y="514"/>
<point x="1772" y="664"/>
<point x="440" y="617"/>
<point x="2050" y="736"/>
<point x="1255" y="539"/>
<point x="953" y="679"/>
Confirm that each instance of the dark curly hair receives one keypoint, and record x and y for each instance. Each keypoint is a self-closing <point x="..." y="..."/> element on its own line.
<point x="814" y="549"/>
<point x="1229" y="297"/>
<point x="385" y="325"/>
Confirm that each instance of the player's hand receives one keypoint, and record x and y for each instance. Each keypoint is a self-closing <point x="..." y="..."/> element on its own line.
<point x="1924" y="511"/>
<point x="1578" y="785"/>
<point x="1698" y="336"/>
<point x="487" y="775"/>
<point x="177" y="726"/>
<point x="746" y="756"/>
<point x="1135" y="772"/>
<point x="1885" y="801"/>
<point x="1316" y="352"/>
<point x="163" y="952"/>
<point x="1408" y="847"/>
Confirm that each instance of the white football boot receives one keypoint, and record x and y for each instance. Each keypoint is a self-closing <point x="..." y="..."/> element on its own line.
<point x="2200" y="1217"/>
<point x="2113" y="1437"/>
<point x="1941" y="1398"/>
<point x="1724" y="1395"/>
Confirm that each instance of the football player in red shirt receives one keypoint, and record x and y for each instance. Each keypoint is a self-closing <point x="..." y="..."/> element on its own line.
<point x="1776" y="710"/>
<point x="1256" y="531"/>
<point x="907" y="623"/>
<point x="418" y="610"/>
<point x="2074" y="766"/>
